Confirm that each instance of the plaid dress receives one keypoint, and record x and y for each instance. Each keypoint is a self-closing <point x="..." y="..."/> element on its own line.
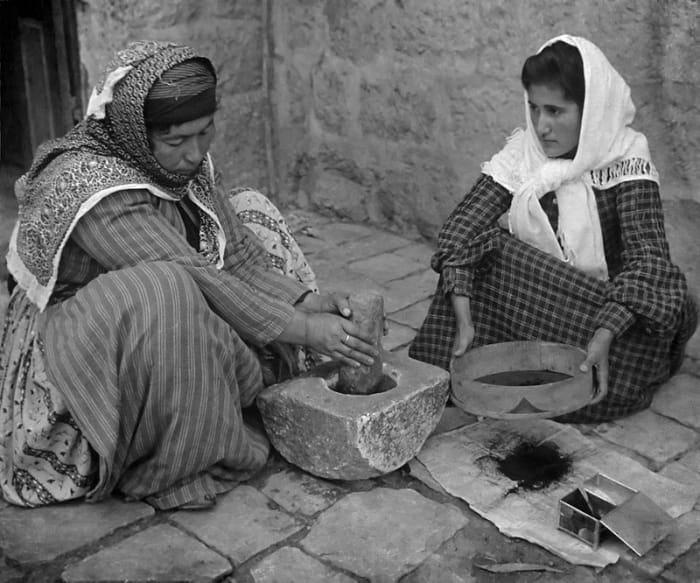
<point x="521" y="293"/>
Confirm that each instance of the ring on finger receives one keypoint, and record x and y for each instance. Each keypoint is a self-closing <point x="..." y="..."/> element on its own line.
<point x="347" y="337"/>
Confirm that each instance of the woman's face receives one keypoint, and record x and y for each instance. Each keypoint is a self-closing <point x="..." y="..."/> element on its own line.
<point x="556" y="119"/>
<point x="182" y="147"/>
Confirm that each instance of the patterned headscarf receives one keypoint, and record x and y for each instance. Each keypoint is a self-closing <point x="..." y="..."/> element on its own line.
<point x="106" y="152"/>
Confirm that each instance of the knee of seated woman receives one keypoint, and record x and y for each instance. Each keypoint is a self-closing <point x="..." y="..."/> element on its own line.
<point x="161" y="284"/>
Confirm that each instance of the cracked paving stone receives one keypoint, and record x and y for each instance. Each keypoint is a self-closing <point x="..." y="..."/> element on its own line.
<point x="679" y="398"/>
<point x="410" y="290"/>
<point x="290" y="565"/>
<point x="240" y="525"/>
<point x="382" y="534"/>
<point x="685" y="534"/>
<point x="386" y="267"/>
<point x="161" y="553"/>
<point x="653" y="436"/>
<point x="30" y="535"/>
<point x="300" y="492"/>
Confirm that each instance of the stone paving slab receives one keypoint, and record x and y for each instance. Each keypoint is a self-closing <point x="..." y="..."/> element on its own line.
<point x="160" y="553"/>
<point x="361" y="248"/>
<point x="338" y="232"/>
<point x="641" y="432"/>
<point x="290" y="565"/>
<point x="409" y="290"/>
<point x="691" y="460"/>
<point x="679" y="398"/>
<point x="412" y="316"/>
<point x="382" y="534"/>
<point x="296" y="491"/>
<point x="240" y="525"/>
<point x="398" y="335"/>
<point x="685" y="534"/>
<point x="32" y="535"/>
<point x="385" y="267"/>
<point x="685" y="569"/>
<point x="420" y="252"/>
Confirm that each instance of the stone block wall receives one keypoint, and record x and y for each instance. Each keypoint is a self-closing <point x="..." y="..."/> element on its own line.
<point x="385" y="109"/>
<point x="230" y="33"/>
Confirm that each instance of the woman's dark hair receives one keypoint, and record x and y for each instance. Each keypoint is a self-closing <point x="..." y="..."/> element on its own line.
<point x="557" y="64"/>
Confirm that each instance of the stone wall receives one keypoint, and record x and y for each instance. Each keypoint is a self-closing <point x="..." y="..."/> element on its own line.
<point x="385" y="109"/>
<point x="230" y="33"/>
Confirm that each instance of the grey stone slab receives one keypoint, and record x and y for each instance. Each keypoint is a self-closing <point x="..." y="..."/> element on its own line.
<point x="421" y="252"/>
<point x="681" y="474"/>
<point x="160" y="553"/>
<point x="679" y="398"/>
<point x="386" y="267"/>
<point x="335" y="276"/>
<point x="241" y="525"/>
<point x="409" y="290"/>
<point x="299" y="492"/>
<point x="290" y="565"/>
<point x="342" y="232"/>
<point x="363" y="248"/>
<point x="685" y="534"/>
<point x="382" y="534"/>
<point x="398" y="335"/>
<point x="692" y="349"/>
<point x="453" y="417"/>
<point x="30" y="535"/>
<point x="691" y="365"/>
<point x="412" y="316"/>
<point x="691" y="460"/>
<point x="655" y="437"/>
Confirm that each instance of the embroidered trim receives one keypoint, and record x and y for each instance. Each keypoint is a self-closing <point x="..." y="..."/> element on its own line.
<point x="629" y="169"/>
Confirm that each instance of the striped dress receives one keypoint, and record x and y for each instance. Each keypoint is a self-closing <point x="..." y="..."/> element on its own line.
<point x="137" y="376"/>
<point x="520" y="293"/>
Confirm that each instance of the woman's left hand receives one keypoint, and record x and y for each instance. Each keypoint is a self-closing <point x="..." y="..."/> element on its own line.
<point x="332" y="303"/>
<point x="598" y="350"/>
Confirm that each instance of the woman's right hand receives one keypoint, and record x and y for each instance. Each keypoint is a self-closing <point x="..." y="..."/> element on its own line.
<point x="465" y="327"/>
<point x="339" y="338"/>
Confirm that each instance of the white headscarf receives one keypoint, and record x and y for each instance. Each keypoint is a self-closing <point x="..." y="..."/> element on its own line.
<point x="609" y="152"/>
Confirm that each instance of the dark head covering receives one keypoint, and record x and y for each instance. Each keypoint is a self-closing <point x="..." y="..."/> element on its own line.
<point x="185" y="92"/>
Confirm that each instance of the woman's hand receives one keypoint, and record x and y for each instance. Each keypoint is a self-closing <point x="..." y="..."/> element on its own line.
<point x="598" y="350"/>
<point x="332" y="303"/>
<point x="339" y="338"/>
<point x="465" y="327"/>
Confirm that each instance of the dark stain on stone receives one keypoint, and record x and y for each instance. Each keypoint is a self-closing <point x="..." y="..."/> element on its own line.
<point x="534" y="466"/>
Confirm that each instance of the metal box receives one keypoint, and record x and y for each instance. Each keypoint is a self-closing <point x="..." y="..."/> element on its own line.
<point x="602" y="506"/>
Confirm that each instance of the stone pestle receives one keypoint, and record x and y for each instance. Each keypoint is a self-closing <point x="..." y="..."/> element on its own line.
<point x="368" y="313"/>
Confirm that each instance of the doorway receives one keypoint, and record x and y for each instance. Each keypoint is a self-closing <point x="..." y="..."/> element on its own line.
<point x="40" y="89"/>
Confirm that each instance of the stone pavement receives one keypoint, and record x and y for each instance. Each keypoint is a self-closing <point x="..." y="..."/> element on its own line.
<point x="285" y="525"/>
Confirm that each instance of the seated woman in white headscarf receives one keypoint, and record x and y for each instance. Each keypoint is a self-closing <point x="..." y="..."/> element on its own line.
<point x="584" y="258"/>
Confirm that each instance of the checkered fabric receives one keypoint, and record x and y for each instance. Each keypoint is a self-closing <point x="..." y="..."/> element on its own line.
<point x="520" y="293"/>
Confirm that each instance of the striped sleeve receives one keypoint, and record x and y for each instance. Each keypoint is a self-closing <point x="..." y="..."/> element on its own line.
<point x="127" y="228"/>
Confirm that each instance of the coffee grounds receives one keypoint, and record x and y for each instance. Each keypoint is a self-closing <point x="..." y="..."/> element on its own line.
<point x="534" y="467"/>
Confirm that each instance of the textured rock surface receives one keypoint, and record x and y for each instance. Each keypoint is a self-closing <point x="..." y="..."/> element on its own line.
<point x="385" y="110"/>
<point x="351" y="437"/>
